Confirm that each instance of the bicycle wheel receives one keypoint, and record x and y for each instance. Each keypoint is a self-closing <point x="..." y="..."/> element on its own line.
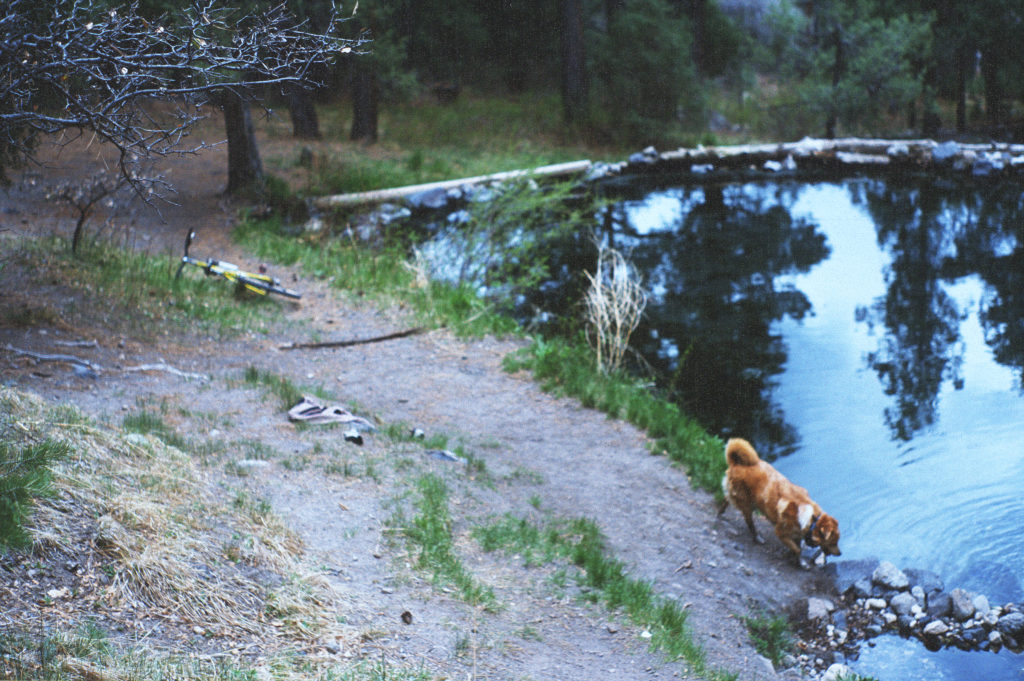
<point x="268" y="286"/>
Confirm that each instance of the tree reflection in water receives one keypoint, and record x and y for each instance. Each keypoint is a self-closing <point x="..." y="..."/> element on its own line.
<point x="712" y="269"/>
<point x="936" y="232"/>
<point x="715" y="258"/>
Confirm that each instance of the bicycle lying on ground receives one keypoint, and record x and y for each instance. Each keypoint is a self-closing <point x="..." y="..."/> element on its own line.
<point x="260" y="282"/>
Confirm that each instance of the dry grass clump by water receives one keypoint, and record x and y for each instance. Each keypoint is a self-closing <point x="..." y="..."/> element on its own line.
<point x="615" y="302"/>
<point x="135" y="540"/>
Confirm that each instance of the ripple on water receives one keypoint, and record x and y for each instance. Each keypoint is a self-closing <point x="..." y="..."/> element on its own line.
<point x="892" y="658"/>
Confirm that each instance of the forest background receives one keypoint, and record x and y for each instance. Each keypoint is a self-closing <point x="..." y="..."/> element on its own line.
<point x="671" y="72"/>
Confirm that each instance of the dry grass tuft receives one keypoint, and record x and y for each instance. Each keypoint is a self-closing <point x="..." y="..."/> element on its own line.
<point x="156" y="552"/>
<point x="615" y="302"/>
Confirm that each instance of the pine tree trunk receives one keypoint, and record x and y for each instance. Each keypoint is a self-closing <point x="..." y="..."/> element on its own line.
<point x="838" y="68"/>
<point x="961" y="92"/>
<point x="245" y="170"/>
<point x="364" y="103"/>
<point x="305" y="124"/>
<point x="698" y="22"/>
<point x="574" y="81"/>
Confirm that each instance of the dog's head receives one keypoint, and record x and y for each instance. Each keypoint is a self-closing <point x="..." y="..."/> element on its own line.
<point x="825" y="534"/>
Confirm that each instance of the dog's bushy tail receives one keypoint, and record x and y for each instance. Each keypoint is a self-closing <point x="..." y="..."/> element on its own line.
<point x="739" y="452"/>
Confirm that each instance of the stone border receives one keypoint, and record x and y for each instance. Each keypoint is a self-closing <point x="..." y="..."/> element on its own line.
<point x="879" y="598"/>
<point x="821" y="155"/>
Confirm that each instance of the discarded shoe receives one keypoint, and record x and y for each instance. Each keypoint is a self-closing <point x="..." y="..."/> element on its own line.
<point x="304" y="409"/>
<point x="309" y="410"/>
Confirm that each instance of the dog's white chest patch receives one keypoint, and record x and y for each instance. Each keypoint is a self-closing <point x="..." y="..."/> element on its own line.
<point x="804" y="515"/>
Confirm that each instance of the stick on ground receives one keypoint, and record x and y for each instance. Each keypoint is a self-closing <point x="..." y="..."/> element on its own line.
<point x="354" y="341"/>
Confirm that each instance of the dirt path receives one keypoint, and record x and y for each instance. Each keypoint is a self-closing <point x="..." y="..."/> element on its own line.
<point x="541" y="456"/>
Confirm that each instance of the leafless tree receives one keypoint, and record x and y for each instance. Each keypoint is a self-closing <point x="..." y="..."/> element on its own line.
<point x="83" y="65"/>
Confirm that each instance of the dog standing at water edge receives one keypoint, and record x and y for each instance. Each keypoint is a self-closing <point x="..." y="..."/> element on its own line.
<point x="752" y="483"/>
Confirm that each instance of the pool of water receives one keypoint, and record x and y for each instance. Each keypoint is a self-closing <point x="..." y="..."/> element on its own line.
<point x="870" y="335"/>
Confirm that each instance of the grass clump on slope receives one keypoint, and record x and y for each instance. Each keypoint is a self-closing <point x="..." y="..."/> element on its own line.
<point x="151" y="547"/>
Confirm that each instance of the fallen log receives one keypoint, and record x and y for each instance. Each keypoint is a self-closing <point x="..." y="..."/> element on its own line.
<point x="381" y="195"/>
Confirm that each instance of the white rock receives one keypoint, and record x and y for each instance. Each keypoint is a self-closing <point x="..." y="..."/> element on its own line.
<point x="836" y="672"/>
<point x="875" y="604"/>
<point x="981" y="606"/>
<point x="902" y="603"/>
<point x="766" y="664"/>
<point x="963" y="604"/>
<point x="819" y="608"/>
<point x="936" y="628"/>
<point x="890" y="576"/>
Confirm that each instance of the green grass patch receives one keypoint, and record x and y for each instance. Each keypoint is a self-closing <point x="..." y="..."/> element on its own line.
<point x="522" y="537"/>
<point x="771" y="634"/>
<point x="381" y="275"/>
<point x="425" y="142"/>
<point x="605" y="578"/>
<point x="568" y="368"/>
<point x="142" y="288"/>
<point x="24" y="476"/>
<point x="148" y="423"/>
<point x="287" y="393"/>
<point x="430" y="533"/>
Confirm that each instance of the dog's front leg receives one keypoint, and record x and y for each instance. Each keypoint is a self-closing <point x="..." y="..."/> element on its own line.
<point x="793" y="545"/>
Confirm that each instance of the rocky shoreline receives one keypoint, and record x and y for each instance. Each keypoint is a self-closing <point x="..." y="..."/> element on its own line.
<point x="878" y="598"/>
<point x="825" y="156"/>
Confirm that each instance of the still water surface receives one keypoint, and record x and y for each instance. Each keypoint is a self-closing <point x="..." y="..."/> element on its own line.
<point x="872" y="338"/>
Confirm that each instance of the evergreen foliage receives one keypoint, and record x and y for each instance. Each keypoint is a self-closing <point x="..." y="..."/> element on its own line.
<point x="24" y="475"/>
<point x="643" y="75"/>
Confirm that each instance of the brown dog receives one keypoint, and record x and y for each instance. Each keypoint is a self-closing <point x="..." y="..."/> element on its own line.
<point x="752" y="483"/>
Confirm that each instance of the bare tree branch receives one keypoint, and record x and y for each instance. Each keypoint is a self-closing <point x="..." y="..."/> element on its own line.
<point x="76" y="64"/>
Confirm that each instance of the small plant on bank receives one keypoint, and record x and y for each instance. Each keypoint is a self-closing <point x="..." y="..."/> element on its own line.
<point x="771" y="635"/>
<point x="148" y="423"/>
<point x="284" y="389"/>
<point x="614" y="302"/>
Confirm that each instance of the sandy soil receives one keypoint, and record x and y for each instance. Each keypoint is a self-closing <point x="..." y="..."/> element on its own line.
<point x="542" y="456"/>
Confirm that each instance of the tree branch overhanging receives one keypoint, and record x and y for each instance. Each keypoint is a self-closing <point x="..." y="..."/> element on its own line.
<point x="72" y="65"/>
